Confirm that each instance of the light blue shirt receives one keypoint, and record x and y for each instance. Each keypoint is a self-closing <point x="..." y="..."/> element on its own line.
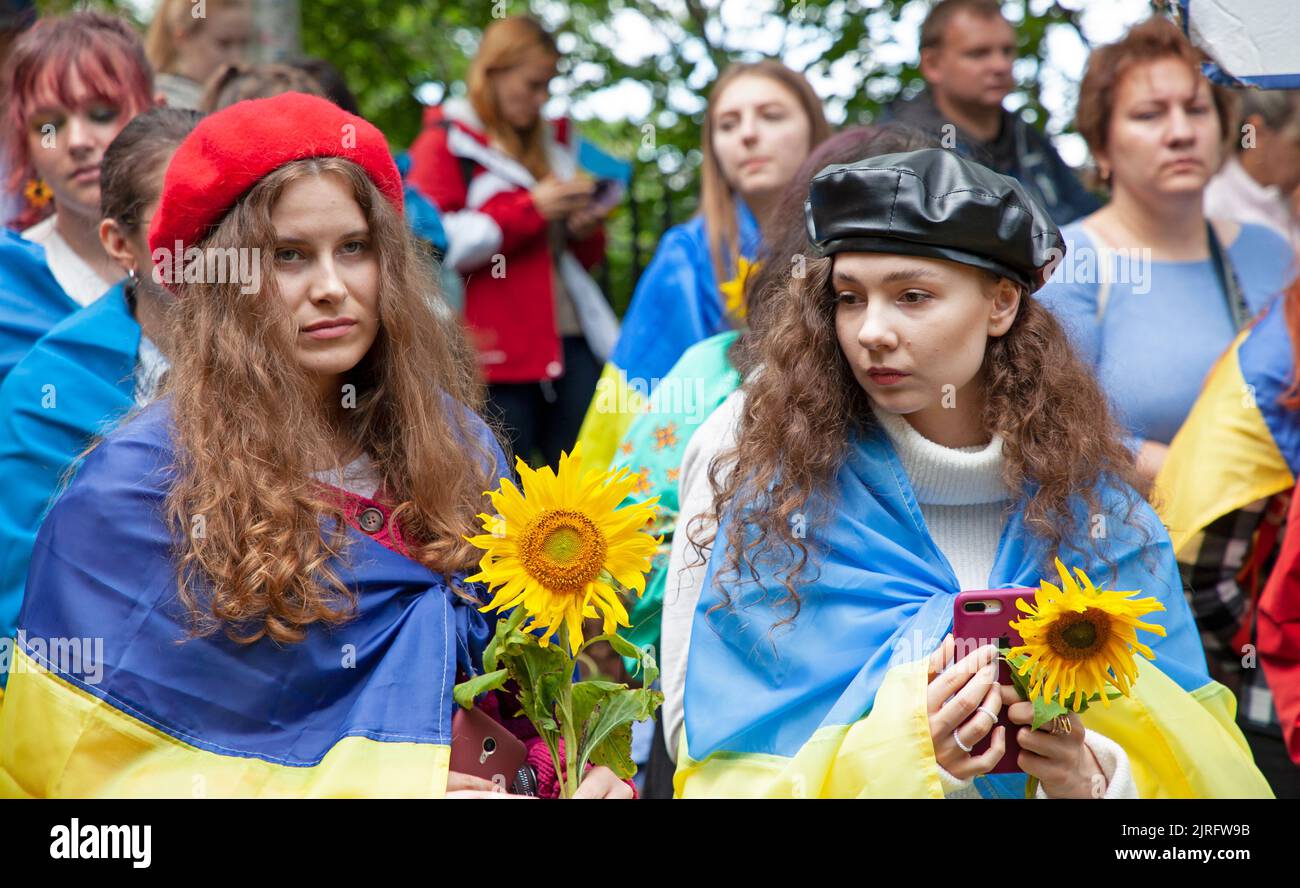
<point x="1164" y="323"/>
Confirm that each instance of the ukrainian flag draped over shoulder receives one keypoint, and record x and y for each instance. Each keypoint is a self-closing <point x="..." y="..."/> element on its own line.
<point x="1238" y="445"/>
<point x="31" y="300"/>
<point x="78" y="379"/>
<point x="136" y="709"/>
<point x="678" y="302"/>
<point x="834" y="705"/>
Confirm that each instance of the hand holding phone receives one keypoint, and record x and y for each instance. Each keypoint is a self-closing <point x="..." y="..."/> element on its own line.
<point x="980" y="618"/>
<point x="963" y="703"/>
<point x="484" y="748"/>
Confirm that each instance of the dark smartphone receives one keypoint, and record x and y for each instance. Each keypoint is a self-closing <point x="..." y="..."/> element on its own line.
<point x="483" y="747"/>
<point x="607" y="193"/>
<point x="980" y="618"/>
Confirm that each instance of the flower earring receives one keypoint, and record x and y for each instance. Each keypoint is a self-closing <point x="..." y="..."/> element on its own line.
<point x="38" y="194"/>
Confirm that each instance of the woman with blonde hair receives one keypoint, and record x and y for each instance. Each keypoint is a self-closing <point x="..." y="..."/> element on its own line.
<point x="763" y="119"/>
<point x="189" y="42"/>
<point x="270" y="557"/>
<point x="523" y="227"/>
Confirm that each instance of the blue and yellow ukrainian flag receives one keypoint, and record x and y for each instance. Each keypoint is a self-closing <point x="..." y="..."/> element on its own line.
<point x="1239" y="444"/>
<point x="834" y="705"/>
<point x="31" y="300"/>
<point x="108" y="696"/>
<point x="678" y="302"/>
<point x="77" y="380"/>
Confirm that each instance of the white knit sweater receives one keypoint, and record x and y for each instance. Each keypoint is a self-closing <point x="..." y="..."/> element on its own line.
<point x="961" y="494"/>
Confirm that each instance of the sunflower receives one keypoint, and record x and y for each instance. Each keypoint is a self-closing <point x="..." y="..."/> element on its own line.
<point x="1078" y="640"/>
<point x="554" y="548"/>
<point x="733" y="291"/>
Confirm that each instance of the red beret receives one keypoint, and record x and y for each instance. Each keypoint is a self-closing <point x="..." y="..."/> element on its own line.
<point x="232" y="149"/>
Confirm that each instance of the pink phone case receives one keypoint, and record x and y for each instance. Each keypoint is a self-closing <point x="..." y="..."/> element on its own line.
<point x="981" y="617"/>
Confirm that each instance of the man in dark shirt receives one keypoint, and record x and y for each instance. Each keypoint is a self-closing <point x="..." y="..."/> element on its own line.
<point x="967" y="50"/>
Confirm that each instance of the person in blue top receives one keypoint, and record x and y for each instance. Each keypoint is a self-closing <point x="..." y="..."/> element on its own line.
<point x="762" y="121"/>
<point x="94" y="365"/>
<point x="1150" y="292"/>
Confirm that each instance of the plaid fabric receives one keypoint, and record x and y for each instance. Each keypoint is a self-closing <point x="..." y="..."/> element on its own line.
<point x="1221" y="588"/>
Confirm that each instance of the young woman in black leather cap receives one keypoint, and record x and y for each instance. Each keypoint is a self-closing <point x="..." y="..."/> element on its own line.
<point x="913" y="425"/>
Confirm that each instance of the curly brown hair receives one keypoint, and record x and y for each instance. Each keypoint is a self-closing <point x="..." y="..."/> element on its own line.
<point x="804" y="408"/>
<point x="249" y="431"/>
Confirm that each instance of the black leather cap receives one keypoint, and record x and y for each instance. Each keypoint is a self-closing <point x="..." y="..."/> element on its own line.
<point x="935" y="204"/>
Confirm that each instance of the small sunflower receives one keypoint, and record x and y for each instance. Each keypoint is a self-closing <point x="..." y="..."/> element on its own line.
<point x="733" y="291"/>
<point x="554" y="548"/>
<point x="38" y="194"/>
<point x="1079" y="639"/>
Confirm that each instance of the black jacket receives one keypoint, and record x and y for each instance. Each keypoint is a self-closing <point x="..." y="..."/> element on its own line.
<point x="1019" y="151"/>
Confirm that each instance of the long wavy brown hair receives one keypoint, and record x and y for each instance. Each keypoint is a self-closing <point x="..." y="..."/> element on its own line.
<point x="250" y="430"/>
<point x="804" y="408"/>
<point x="717" y="200"/>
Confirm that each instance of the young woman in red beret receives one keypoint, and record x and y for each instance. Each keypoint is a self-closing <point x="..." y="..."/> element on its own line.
<point x="274" y="551"/>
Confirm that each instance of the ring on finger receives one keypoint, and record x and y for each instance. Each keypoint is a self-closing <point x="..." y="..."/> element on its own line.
<point x="989" y="712"/>
<point x="962" y="746"/>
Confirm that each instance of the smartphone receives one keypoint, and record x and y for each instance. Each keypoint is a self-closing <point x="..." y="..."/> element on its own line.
<point x="483" y="747"/>
<point x="607" y="193"/>
<point x="983" y="617"/>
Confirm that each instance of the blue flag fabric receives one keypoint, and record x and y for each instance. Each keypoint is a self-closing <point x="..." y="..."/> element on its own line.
<point x="75" y="383"/>
<point x="31" y="300"/>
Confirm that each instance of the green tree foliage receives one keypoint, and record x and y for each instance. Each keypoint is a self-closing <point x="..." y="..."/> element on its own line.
<point x="390" y="49"/>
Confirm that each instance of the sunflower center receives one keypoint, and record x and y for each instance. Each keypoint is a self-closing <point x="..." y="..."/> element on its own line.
<point x="1079" y="636"/>
<point x="562" y="549"/>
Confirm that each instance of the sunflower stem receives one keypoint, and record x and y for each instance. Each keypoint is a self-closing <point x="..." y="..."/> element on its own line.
<point x="566" y="725"/>
<point x="1031" y="788"/>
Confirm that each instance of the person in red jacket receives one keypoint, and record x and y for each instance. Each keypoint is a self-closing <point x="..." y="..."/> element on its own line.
<point x="523" y="227"/>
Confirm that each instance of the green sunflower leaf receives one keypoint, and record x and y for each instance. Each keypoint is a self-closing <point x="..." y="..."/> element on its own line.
<point x="542" y="674"/>
<point x="648" y="669"/>
<point x="465" y="692"/>
<point x="1045" y="711"/>
<point x="491" y="653"/>
<point x="1020" y="681"/>
<point x="603" y="713"/>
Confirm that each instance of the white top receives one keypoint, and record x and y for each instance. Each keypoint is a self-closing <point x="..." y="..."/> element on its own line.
<point x="685" y="569"/>
<point x="1234" y="194"/>
<point x="360" y="477"/>
<point x="960" y="492"/>
<point x="81" y="282"/>
<point x="150" y="366"/>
